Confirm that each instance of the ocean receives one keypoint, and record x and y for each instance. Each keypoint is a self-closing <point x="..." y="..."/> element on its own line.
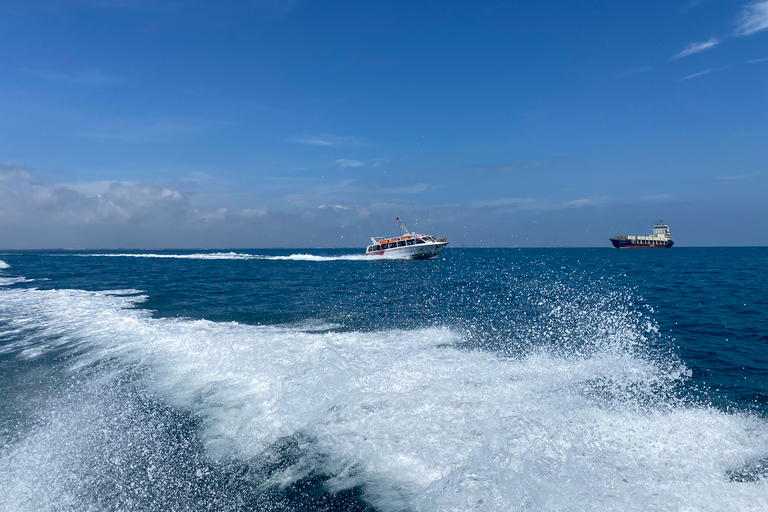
<point x="321" y="380"/>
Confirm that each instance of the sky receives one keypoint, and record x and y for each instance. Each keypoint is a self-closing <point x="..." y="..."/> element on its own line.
<point x="300" y="123"/>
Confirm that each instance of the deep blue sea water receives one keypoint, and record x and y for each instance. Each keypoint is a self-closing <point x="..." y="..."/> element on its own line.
<point x="291" y="380"/>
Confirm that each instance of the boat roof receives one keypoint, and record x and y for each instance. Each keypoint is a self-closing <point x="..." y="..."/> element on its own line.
<point x="394" y="239"/>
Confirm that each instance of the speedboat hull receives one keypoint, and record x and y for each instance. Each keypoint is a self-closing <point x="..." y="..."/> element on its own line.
<point x="416" y="252"/>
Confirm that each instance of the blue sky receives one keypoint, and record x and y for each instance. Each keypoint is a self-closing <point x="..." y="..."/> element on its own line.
<point x="180" y="123"/>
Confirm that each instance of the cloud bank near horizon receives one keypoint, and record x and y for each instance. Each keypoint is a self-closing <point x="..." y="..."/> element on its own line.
<point x="184" y="214"/>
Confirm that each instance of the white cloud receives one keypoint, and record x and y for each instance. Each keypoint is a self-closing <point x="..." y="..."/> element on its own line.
<point x="578" y="203"/>
<point x="112" y="203"/>
<point x="378" y="161"/>
<point x="10" y="172"/>
<point x="694" y="75"/>
<point x="329" y="139"/>
<point x="94" y="188"/>
<point x="335" y="207"/>
<point x="345" y="162"/>
<point x="697" y="47"/>
<point x="208" y="216"/>
<point x="753" y="19"/>
<point x="251" y="213"/>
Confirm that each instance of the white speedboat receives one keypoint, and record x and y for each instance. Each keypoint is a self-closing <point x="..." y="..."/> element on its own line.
<point x="407" y="245"/>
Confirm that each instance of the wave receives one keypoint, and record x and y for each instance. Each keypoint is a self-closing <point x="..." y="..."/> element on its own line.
<point x="8" y="281"/>
<point x="196" y="256"/>
<point x="345" y="257"/>
<point x="407" y="416"/>
<point x="4" y="265"/>
<point x="247" y="256"/>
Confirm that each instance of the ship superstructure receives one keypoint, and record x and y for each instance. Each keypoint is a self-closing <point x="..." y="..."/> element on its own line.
<point x="660" y="238"/>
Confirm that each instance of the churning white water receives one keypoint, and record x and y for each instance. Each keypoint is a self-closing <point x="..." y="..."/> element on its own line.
<point x="417" y="422"/>
<point x="247" y="256"/>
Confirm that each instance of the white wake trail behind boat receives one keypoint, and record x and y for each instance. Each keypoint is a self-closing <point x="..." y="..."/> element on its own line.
<point x="416" y="422"/>
<point x="246" y="256"/>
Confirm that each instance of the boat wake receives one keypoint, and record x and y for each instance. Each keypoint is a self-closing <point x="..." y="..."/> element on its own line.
<point x="8" y="281"/>
<point x="346" y="257"/>
<point x="196" y="256"/>
<point x="406" y="417"/>
<point x="247" y="256"/>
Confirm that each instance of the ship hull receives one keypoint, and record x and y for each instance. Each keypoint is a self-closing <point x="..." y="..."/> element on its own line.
<point x="624" y="244"/>
<point x="416" y="252"/>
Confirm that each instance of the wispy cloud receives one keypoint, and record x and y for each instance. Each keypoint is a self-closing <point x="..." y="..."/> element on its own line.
<point x="694" y="75"/>
<point x="757" y="61"/>
<point x="409" y="189"/>
<point x="579" y="203"/>
<point x="154" y="131"/>
<point x="95" y="188"/>
<point x="14" y="173"/>
<point x="378" y="161"/>
<point x="346" y="162"/>
<point x="753" y="19"/>
<point x="329" y="139"/>
<point x="509" y="166"/>
<point x="334" y="207"/>
<point x="250" y="213"/>
<point x="657" y="197"/>
<point x="535" y="204"/>
<point x="697" y="47"/>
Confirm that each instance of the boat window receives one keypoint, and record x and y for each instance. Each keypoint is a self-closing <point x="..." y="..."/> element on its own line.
<point x="410" y="242"/>
<point x="401" y="243"/>
<point x="419" y="241"/>
<point x="393" y="244"/>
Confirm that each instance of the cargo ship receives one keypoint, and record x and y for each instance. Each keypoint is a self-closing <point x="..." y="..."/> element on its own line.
<point x="659" y="239"/>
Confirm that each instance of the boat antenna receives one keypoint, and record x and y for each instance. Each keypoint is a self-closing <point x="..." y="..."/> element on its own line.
<point x="402" y="225"/>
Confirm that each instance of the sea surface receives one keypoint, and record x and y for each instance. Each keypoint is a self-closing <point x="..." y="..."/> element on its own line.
<point x="321" y="380"/>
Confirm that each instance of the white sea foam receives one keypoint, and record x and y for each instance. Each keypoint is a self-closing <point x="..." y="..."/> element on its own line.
<point x="344" y="257"/>
<point x="418" y="423"/>
<point x="7" y="281"/>
<point x="246" y="256"/>
<point x="195" y="256"/>
<point x="4" y="265"/>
